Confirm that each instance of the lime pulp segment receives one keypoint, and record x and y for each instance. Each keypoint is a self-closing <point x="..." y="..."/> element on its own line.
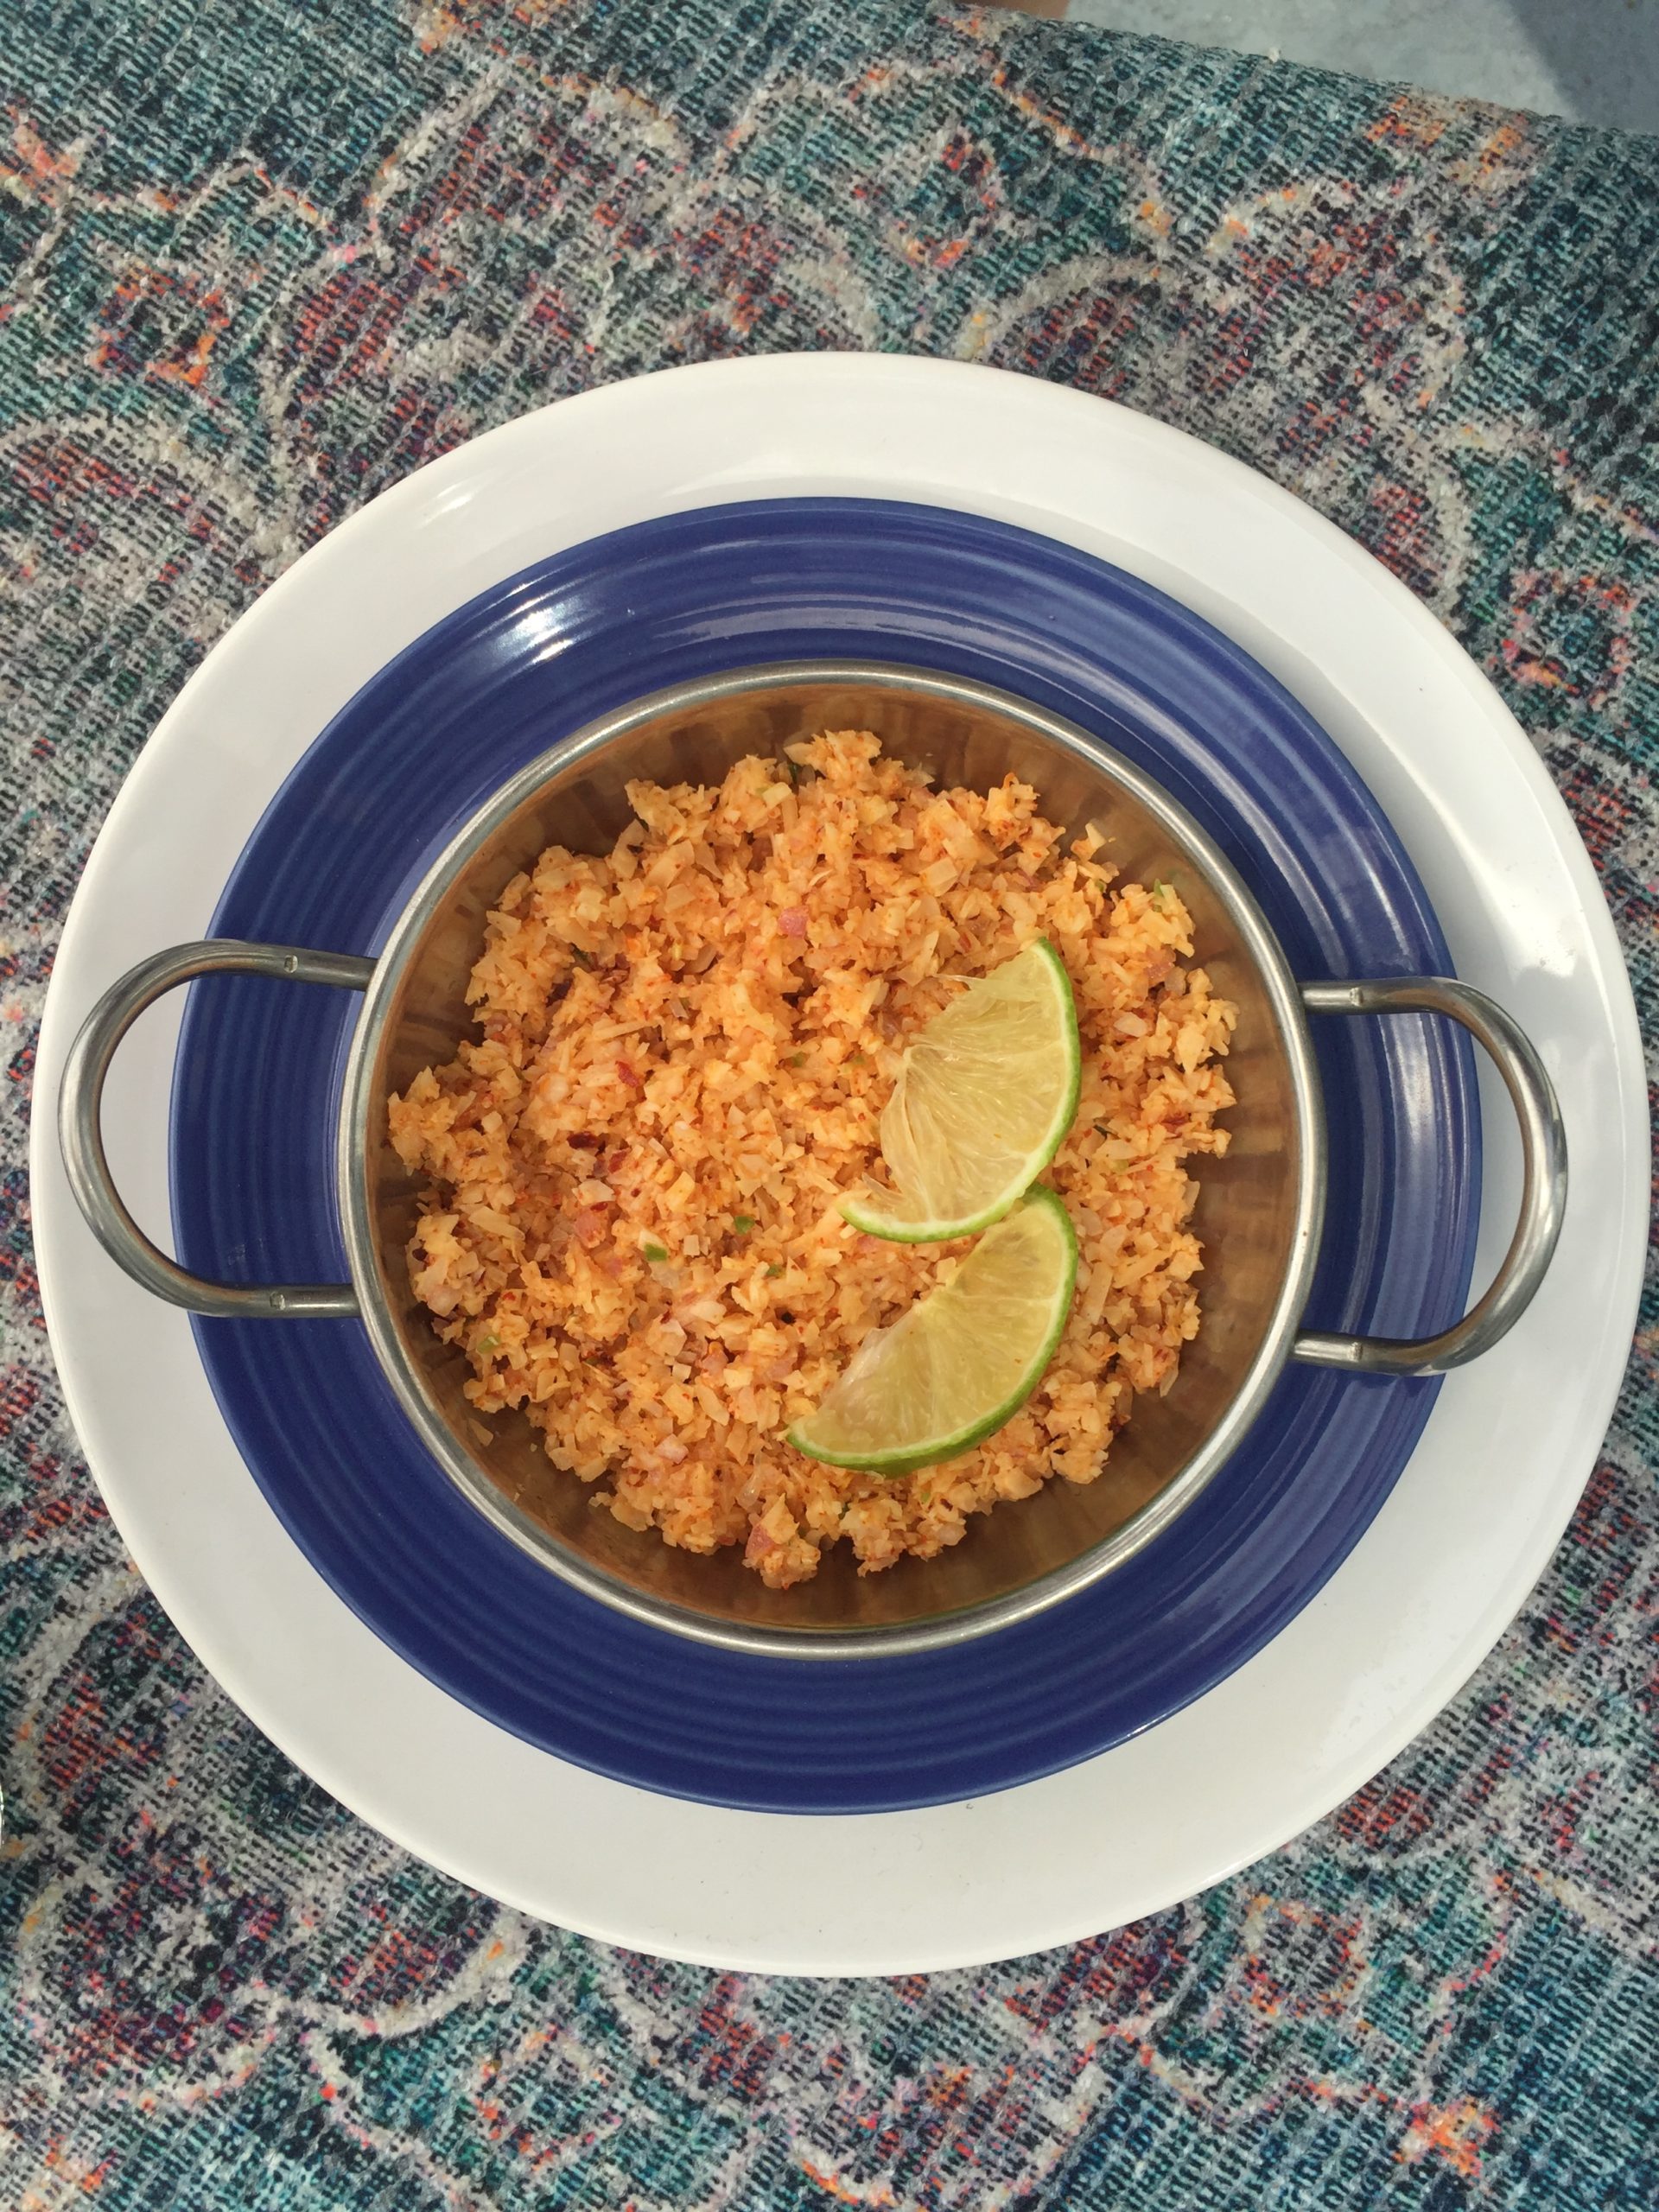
<point x="963" y="1360"/>
<point x="984" y="1097"/>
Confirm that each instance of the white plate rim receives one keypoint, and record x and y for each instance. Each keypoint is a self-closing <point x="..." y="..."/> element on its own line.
<point x="1522" y="910"/>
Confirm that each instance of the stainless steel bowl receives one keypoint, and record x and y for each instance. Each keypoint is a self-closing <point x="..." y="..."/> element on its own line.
<point x="1259" y="1213"/>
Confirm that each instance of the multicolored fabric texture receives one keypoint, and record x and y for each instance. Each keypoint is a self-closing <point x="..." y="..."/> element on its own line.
<point x="263" y="257"/>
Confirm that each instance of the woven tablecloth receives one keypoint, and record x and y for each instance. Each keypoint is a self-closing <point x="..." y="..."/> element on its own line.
<point x="260" y="258"/>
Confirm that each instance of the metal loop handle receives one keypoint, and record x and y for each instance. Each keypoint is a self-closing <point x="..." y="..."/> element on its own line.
<point x="1543" y="1188"/>
<point x="80" y="1133"/>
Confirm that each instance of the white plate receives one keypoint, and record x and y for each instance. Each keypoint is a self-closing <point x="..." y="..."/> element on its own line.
<point x="1467" y="1529"/>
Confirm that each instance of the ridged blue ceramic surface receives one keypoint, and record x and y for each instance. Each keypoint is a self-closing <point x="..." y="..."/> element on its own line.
<point x="335" y="859"/>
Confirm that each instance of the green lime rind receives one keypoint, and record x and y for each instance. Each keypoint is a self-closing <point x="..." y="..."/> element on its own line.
<point x="964" y="1315"/>
<point x="899" y="1221"/>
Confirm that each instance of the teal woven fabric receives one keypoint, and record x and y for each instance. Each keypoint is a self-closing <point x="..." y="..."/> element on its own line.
<point x="260" y="258"/>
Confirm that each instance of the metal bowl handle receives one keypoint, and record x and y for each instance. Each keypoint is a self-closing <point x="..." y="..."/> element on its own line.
<point x="80" y="1133"/>
<point x="1544" y="1188"/>
<point x="1543" y="1143"/>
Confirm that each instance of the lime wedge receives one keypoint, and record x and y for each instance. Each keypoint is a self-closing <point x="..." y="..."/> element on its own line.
<point x="984" y="1097"/>
<point x="965" y="1359"/>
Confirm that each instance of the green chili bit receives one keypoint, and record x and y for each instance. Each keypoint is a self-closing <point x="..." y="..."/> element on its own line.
<point x="1117" y="1166"/>
<point x="654" y="1252"/>
<point x="742" y="1222"/>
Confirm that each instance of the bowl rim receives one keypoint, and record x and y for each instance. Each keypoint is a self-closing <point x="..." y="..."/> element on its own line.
<point x="358" y="1103"/>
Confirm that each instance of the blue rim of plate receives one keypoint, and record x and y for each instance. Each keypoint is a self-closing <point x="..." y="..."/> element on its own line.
<point x="257" y="1079"/>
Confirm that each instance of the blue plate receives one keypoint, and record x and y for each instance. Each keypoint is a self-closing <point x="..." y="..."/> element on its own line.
<point x="258" y="1076"/>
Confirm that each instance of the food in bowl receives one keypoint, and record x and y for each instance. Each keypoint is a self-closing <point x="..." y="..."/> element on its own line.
<point x="634" y="1172"/>
<point x="1261" y="1213"/>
